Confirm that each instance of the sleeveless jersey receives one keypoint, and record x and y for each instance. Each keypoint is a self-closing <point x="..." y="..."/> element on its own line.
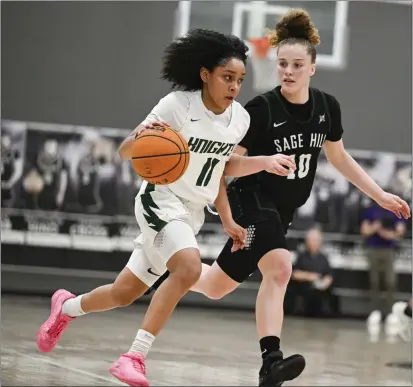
<point x="288" y="135"/>
<point x="211" y="144"/>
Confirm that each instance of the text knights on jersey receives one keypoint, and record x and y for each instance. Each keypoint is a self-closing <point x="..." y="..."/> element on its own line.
<point x="200" y="145"/>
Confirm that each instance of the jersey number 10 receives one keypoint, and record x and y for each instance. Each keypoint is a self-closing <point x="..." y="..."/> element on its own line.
<point x="303" y="166"/>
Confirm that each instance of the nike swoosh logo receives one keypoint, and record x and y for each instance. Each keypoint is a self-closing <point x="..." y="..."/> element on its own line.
<point x="277" y="125"/>
<point x="151" y="272"/>
<point x="192" y="120"/>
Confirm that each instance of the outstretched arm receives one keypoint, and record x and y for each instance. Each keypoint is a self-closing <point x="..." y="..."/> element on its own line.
<point x="351" y="170"/>
<point x="239" y="165"/>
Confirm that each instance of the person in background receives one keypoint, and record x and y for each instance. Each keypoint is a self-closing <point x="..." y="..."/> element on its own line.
<point x="381" y="230"/>
<point x="312" y="278"/>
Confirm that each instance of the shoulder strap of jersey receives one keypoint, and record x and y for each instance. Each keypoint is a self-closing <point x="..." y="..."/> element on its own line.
<point x="323" y="96"/>
<point x="257" y="176"/>
<point x="265" y="97"/>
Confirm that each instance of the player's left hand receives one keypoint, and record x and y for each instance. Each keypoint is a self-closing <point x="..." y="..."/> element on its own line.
<point x="237" y="233"/>
<point x="394" y="204"/>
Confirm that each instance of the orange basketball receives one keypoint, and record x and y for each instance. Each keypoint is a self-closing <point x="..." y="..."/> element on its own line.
<point x="160" y="155"/>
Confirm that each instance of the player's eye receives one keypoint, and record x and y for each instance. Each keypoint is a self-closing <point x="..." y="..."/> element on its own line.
<point x="228" y="78"/>
<point x="241" y="80"/>
<point x="298" y="65"/>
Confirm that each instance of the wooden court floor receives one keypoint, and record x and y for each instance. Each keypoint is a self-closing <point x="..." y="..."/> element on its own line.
<point x="199" y="347"/>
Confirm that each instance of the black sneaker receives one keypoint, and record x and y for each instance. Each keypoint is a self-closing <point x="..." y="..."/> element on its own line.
<point x="277" y="370"/>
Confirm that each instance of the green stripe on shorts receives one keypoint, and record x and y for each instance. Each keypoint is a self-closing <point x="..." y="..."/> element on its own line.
<point x="154" y="222"/>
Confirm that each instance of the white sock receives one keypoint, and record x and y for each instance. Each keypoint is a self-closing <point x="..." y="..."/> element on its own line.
<point x="73" y="307"/>
<point x="142" y="343"/>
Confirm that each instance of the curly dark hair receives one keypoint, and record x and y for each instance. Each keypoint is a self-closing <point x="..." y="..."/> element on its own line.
<point x="185" y="56"/>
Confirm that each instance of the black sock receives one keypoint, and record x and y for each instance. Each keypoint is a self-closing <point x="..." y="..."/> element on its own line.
<point x="408" y="311"/>
<point x="269" y="344"/>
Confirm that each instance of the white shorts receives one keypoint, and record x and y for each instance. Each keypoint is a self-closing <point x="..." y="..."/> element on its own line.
<point x="168" y="224"/>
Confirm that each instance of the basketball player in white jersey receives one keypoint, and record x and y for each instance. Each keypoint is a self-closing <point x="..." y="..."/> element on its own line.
<point x="208" y="68"/>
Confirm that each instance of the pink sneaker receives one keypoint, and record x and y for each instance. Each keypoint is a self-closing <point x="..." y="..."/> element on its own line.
<point x="50" y="332"/>
<point x="130" y="369"/>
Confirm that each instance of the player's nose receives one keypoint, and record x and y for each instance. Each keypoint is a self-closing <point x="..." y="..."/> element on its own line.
<point x="234" y="88"/>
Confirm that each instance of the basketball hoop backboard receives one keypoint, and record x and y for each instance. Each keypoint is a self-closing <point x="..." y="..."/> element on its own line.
<point x="249" y="19"/>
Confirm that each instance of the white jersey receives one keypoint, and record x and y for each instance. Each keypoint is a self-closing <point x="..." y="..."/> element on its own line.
<point x="211" y="138"/>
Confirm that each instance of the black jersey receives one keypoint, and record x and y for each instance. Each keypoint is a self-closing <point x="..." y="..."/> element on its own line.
<point x="299" y="130"/>
<point x="8" y="159"/>
<point x="50" y="168"/>
<point x="8" y="167"/>
<point x="88" y="181"/>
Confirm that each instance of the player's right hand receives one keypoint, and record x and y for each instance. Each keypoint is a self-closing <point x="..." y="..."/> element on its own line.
<point x="154" y="125"/>
<point x="279" y="164"/>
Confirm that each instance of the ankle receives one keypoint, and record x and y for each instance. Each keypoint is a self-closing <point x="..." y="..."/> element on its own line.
<point x="142" y="343"/>
<point x="268" y="345"/>
<point x="73" y="307"/>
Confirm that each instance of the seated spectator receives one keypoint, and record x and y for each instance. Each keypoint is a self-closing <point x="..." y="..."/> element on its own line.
<point x="312" y="279"/>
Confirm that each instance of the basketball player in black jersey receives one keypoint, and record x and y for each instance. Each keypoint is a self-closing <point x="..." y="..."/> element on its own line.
<point x="294" y="120"/>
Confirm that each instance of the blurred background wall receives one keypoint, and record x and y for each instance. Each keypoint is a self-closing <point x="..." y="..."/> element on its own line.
<point x="98" y="63"/>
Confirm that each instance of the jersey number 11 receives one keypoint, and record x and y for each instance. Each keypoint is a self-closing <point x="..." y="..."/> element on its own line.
<point x="206" y="172"/>
<point x="303" y="166"/>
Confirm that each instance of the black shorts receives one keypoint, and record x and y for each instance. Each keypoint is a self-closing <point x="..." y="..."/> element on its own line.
<point x="266" y="229"/>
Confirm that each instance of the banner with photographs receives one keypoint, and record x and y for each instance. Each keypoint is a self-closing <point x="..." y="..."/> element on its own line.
<point x="65" y="186"/>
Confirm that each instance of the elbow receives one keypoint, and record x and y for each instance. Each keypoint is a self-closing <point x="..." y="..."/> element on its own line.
<point x="124" y="152"/>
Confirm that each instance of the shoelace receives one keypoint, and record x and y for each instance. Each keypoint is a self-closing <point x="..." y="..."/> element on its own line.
<point x="138" y="365"/>
<point x="57" y="328"/>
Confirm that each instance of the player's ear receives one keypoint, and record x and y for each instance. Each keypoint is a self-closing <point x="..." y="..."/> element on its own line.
<point x="204" y="73"/>
<point x="312" y="70"/>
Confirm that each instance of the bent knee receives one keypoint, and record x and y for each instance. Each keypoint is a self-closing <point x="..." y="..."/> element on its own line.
<point x="187" y="272"/>
<point x="277" y="267"/>
<point x="215" y="294"/>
